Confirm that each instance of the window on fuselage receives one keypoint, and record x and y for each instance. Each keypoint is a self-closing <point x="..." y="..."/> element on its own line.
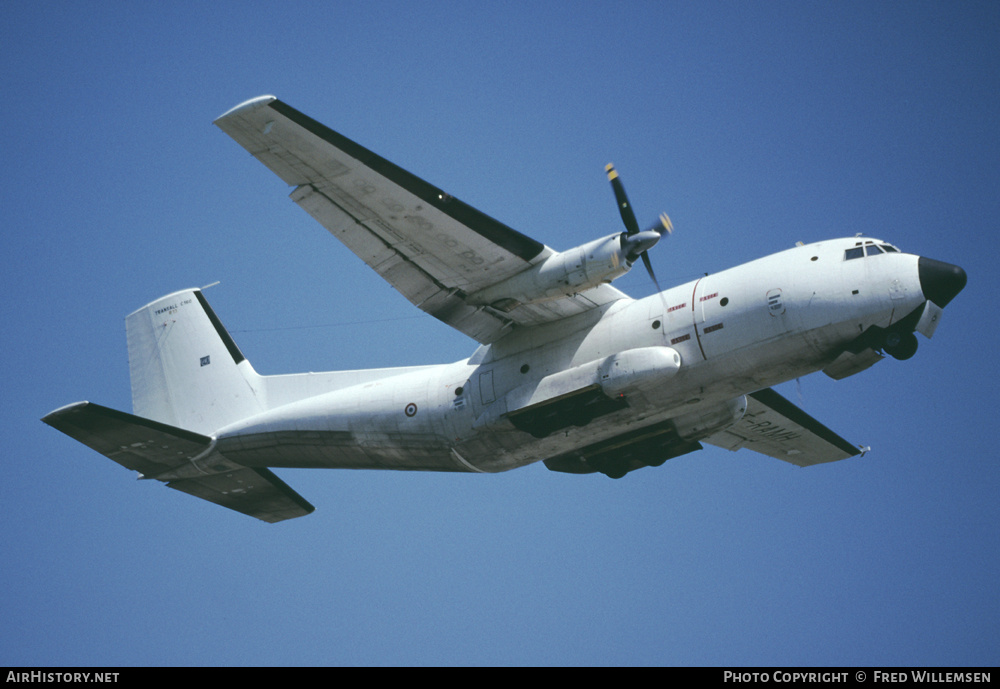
<point x="872" y="250"/>
<point x="856" y="252"/>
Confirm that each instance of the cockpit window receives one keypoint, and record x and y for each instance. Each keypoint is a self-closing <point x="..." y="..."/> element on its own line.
<point x="867" y="247"/>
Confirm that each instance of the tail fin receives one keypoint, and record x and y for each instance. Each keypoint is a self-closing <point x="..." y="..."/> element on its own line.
<point x="186" y="369"/>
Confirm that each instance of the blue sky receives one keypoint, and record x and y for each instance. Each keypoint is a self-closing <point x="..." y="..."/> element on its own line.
<point x="755" y="125"/>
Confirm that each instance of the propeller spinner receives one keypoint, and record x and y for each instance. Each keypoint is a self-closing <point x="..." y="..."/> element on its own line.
<point x="637" y="243"/>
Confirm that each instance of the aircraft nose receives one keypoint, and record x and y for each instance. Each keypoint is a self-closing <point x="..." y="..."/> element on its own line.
<point x="940" y="281"/>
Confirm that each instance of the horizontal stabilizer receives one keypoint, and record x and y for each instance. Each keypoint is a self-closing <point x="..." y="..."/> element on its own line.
<point x="143" y="445"/>
<point x="777" y="428"/>
<point x="156" y="450"/>
<point x="254" y="492"/>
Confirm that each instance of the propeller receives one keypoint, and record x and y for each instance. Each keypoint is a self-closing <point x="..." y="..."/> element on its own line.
<point x="634" y="242"/>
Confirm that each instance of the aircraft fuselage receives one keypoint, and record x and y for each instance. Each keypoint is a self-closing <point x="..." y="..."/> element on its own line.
<point x="688" y="354"/>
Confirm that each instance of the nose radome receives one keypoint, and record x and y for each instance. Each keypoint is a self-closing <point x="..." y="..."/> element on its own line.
<point x="940" y="281"/>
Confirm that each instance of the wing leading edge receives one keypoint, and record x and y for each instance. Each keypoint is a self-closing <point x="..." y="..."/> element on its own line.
<point x="430" y="246"/>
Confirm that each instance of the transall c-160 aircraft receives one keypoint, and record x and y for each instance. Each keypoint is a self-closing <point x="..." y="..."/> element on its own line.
<point x="570" y="370"/>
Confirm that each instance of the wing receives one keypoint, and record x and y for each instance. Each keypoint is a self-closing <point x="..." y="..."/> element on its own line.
<point x="430" y="246"/>
<point x="164" y="452"/>
<point x="775" y="427"/>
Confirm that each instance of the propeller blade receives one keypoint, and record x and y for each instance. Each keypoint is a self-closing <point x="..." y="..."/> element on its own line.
<point x="664" y="226"/>
<point x="649" y="269"/>
<point x="643" y="244"/>
<point x="624" y="207"/>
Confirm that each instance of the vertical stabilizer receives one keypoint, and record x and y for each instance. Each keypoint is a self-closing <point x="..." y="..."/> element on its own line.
<point x="186" y="370"/>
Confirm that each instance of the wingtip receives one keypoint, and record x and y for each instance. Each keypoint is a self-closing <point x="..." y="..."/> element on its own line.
<point x="66" y="408"/>
<point x="252" y="104"/>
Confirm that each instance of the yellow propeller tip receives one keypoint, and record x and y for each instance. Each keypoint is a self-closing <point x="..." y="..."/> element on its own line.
<point x="667" y="225"/>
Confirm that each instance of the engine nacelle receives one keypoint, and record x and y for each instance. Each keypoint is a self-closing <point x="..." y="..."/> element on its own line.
<point x="567" y="272"/>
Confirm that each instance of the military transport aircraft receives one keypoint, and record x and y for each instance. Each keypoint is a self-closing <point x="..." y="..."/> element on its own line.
<point x="569" y="369"/>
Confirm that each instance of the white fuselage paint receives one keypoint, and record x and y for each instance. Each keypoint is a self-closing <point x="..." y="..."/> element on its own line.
<point x="734" y="332"/>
